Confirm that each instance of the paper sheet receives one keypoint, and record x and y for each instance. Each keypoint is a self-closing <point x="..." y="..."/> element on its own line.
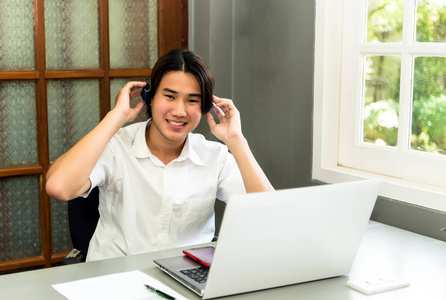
<point x="127" y="285"/>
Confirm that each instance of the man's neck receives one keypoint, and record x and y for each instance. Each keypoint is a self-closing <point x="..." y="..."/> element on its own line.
<point x="164" y="151"/>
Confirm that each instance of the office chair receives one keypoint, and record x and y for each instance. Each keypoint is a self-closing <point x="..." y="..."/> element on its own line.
<point x="83" y="216"/>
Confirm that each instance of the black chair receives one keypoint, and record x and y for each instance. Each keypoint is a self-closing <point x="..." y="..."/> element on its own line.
<point x="83" y="216"/>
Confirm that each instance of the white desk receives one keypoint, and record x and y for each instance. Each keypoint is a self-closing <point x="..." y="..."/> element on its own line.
<point x="384" y="250"/>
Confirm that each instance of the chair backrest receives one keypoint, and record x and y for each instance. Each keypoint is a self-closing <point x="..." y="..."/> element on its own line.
<point x="83" y="216"/>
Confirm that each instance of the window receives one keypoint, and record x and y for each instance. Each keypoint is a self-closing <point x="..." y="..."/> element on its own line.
<point x="380" y="96"/>
<point x="61" y="65"/>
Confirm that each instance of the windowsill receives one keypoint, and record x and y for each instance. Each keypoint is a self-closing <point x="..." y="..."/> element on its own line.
<point x="432" y="197"/>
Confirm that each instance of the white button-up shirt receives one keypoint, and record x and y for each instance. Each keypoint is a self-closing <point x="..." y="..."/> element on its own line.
<point x="145" y="205"/>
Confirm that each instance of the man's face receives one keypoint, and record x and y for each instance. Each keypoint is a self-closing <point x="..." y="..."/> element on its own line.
<point x="176" y="107"/>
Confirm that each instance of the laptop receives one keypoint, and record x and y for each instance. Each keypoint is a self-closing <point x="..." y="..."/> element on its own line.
<point x="299" y="235"/>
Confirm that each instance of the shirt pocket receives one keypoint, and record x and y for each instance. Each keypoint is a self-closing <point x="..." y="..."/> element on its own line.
<point x="198" y="216"/>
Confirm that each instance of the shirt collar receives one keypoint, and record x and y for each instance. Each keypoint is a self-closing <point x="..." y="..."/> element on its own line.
<point x="189" y="152"/>
<point x="140" y="150"/>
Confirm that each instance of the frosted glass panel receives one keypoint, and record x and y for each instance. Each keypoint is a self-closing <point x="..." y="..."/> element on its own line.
<point x="133" y="33"/>
<point x="17" y="35"/>
<point x="18" y="124"/>
<point x="72" y="34"/>
<point x="73" y="110"/>
<point x="116" y="85"/>
<point x="59" y="227"/>
<point x="19" y="218"/>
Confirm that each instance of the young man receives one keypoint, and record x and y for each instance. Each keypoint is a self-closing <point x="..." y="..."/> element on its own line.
<point x="158" y="181"/>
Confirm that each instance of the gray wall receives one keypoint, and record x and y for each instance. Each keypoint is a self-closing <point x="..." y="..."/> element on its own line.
<point x="263" y="59"/>
<point x="261" y="53"/>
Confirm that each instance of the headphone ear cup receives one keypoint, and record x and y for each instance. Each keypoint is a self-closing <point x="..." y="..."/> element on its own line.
<point x="145" y="95"/>
<point x="210" y="108"/>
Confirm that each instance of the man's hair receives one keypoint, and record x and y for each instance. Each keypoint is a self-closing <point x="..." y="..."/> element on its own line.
<point x="188" y="62"/>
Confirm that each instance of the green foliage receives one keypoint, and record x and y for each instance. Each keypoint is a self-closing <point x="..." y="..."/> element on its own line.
<point x="431" y="18"/>
<point x="381" y="122"/>
<point x="429" y="124"/>
<point x="385" y="21"/>
<point x="382" y="78"/>
<point x="429" y="77"/>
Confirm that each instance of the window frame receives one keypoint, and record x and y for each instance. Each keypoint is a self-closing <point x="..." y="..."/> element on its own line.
<point x="328" y="108"/>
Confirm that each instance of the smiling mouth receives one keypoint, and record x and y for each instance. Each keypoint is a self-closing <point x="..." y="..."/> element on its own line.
<point x="176" y="123"/>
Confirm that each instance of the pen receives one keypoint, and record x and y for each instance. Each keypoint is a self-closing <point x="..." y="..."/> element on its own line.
<point x="158" y="292"/>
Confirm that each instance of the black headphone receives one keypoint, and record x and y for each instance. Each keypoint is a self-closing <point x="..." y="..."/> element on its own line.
<point x="144" y="91"/>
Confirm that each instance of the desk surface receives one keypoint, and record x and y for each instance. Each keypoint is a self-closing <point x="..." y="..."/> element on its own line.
<point x="384" y="250"/>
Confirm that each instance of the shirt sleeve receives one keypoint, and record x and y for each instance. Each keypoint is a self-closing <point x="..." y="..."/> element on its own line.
<point x="102" y="172"/>
<point x="230" y="179"/>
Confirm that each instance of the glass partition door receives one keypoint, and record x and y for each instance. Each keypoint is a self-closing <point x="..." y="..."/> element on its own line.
<point x="61" y="64"/>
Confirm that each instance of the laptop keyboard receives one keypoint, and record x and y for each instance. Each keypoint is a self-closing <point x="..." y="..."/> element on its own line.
<point x="199" y="274"/>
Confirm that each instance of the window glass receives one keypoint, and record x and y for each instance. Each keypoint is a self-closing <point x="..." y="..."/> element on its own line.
<point x="381" y="99"/>
<point x="384" y="20"/>
<point x="431" y="21"/>
<point x="429" y="105"/>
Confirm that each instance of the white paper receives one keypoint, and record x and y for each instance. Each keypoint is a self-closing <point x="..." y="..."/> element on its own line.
<point x="127" y="285"/>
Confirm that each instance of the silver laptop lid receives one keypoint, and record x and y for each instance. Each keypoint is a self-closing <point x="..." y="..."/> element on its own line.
<point x="298" y="235"/>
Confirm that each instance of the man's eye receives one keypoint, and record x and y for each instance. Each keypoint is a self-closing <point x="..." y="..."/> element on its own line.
<point x="194" y="101"/>
<point x="169" y="96"/>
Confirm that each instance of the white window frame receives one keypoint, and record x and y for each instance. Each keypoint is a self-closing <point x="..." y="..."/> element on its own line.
<point x="328" y="91"/>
